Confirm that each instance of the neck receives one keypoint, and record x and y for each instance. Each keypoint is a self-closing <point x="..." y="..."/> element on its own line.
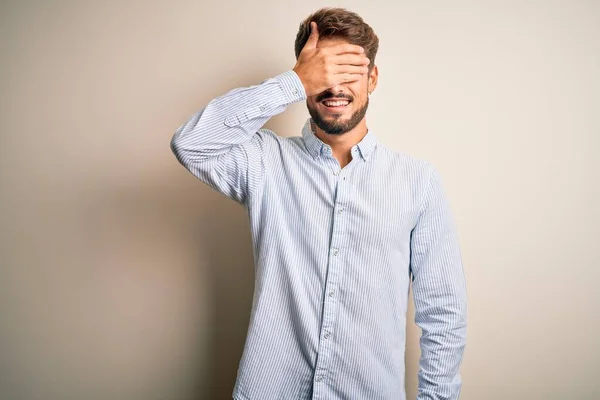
<point x="341" y="145"/>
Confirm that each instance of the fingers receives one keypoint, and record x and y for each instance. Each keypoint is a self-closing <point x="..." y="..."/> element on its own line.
<point x="351" y="69"/>
<point x="313" y="39"/>
<point x="345" y="48"/>
<point x="350" y="59"/>
<point x="347" y="78"/>
<point x="331" y="65"/>
<point x="314" y="29"/>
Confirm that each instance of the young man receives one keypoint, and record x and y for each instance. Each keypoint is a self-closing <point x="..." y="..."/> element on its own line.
<point x="341" y="224"/>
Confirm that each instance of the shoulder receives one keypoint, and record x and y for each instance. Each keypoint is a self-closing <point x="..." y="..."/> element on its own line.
<point x="407" y="164"/>
<point x="281" y="143"/>
<point x="264" y="139"/>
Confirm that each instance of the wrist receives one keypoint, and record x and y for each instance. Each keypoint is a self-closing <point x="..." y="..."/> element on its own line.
<point x="292" y="85"/>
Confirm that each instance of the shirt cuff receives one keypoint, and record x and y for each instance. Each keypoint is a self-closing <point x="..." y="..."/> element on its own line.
<point x="292" y="86"/>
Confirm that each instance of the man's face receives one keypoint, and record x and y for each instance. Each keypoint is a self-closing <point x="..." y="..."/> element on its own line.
<point x="339" y="109"/>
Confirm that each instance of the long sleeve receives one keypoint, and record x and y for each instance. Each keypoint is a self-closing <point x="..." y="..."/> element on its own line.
<point x="223" y="145"/>
<point x="440" y="296"/>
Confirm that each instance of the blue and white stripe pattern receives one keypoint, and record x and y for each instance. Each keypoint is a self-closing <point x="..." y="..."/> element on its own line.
<point x="335" y="251"/>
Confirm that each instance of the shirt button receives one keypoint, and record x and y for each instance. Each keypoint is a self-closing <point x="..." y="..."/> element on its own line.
<point x="327" y="335"/>
<point x="295" y="91"/>
<point x="319" y="378"/>
<point x="336" y="252"/>
<point x="331" y="293"/>
<point x="341" y="210"/>
<point x="336" y="173"/>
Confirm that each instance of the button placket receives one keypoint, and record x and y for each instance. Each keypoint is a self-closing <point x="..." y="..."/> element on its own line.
<point x="331" y="298"/>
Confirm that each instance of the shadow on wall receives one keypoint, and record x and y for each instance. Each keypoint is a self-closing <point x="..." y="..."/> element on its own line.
<point x="227" y="251"/>
<point x="216" y="252"/>
<point x="194" y="293"/>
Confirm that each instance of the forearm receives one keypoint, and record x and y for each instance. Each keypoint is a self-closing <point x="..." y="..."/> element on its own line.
<point x="442" y="344"/>
<point x="233" y="118"/>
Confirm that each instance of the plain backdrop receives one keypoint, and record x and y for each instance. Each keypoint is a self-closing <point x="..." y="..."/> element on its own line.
<point x="125" y="278"/>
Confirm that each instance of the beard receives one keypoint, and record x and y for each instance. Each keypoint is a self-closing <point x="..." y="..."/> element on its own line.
<point x="337" y="126"/>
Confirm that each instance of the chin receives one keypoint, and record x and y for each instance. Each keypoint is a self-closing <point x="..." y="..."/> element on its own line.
<point x="338" y="123"/>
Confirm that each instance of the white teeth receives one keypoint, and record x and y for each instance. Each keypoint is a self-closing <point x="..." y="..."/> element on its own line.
<point x="335" y="103"/>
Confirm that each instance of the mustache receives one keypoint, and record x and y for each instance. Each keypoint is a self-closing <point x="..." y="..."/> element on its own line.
<point x="330" y="96"/>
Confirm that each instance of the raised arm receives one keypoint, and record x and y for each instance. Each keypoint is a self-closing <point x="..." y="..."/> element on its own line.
<point x="440" y="295"/>
<point x="222" y="145"/>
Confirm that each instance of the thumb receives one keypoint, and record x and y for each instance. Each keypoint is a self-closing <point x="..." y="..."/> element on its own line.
<point x="313" y="39"/>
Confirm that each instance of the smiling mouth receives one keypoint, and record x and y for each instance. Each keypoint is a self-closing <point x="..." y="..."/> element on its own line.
<point x="335" y="104"/>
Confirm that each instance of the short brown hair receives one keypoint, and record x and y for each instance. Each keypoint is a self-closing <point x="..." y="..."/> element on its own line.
<point x="339" y="23"/>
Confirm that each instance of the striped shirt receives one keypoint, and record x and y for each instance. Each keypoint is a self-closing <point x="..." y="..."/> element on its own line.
<point x="335" y="250"/>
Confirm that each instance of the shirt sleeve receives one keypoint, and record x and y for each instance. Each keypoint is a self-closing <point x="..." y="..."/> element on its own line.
<point x="223" y="145"/>
<point x="440" y="295"/>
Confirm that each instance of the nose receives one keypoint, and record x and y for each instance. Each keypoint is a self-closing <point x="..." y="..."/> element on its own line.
<point x="338" y="89"/>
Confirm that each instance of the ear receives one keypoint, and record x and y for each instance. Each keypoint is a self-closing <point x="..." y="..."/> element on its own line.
<point x="373" y="76"/>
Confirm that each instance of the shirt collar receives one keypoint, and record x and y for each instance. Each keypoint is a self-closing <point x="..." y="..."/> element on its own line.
<point x="316" y="146"/>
